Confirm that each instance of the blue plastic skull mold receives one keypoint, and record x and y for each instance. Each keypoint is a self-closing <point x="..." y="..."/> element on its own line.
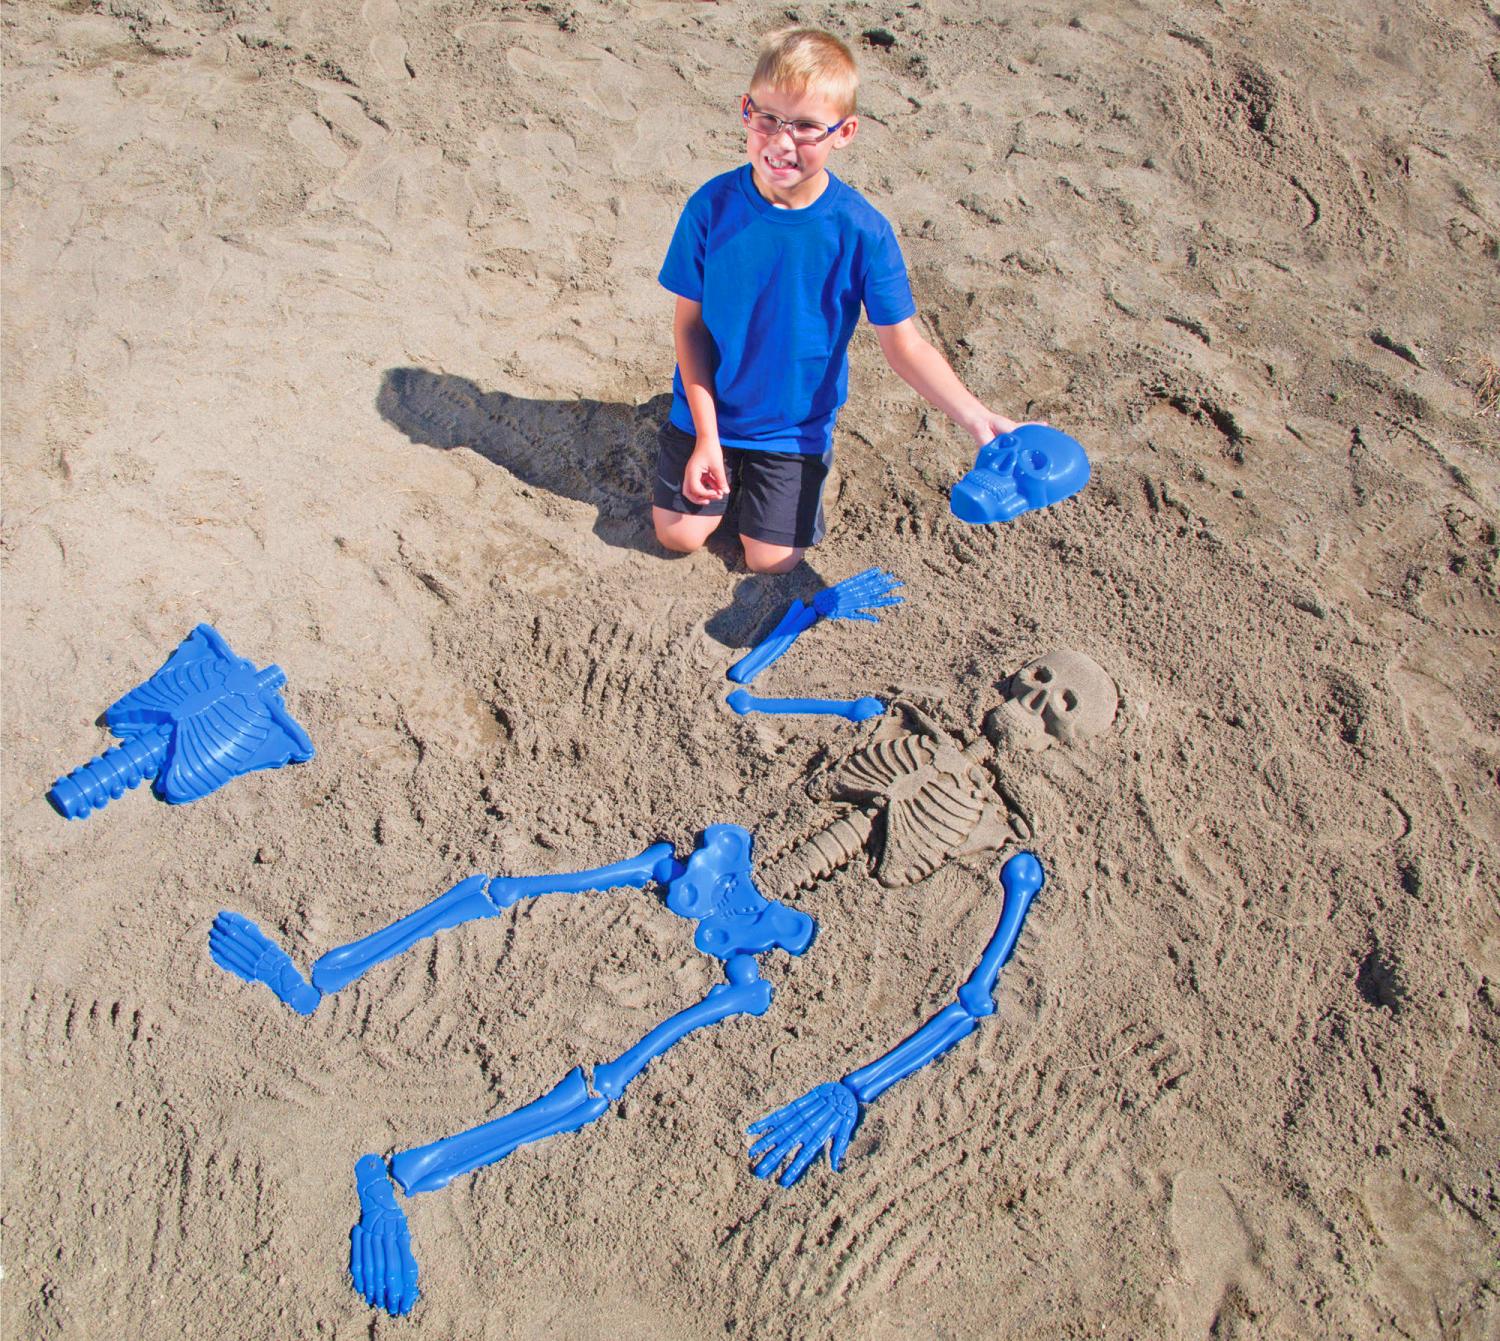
<point x="1018" y="472"/>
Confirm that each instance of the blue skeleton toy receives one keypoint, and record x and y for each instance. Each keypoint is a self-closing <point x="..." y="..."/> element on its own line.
<point x="736" y="923"/>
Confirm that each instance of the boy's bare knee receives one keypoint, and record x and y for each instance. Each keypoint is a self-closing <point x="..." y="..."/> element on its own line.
<point x="761" y="557"/>
<point x="681" y="532"/>
<point x="678" y="544"/>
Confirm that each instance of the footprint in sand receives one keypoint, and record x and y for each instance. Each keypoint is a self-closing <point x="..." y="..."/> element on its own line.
<point x="1214" y="1252"/>
<point x="1426" y="1260"/>
<point x="314" y="136"/>
<point x="387" y="48"/>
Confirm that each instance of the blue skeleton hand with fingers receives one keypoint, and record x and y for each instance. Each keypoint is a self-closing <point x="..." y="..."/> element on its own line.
<point x="791" y="1138"/>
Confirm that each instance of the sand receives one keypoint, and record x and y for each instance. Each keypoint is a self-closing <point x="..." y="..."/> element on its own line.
<point x="337" y="326"/>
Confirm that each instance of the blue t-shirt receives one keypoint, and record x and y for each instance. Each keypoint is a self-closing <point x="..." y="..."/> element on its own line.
<point x="781" y="291"/>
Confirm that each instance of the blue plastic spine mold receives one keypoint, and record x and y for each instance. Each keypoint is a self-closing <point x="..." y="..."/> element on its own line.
<point x="1033" y="467"/>
<point x="793" y="1136"/>
<point x="206" y="717"/>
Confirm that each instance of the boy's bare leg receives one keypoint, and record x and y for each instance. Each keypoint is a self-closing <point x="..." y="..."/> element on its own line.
<point x="683" y="532"/>
<point x="761" y="556"/>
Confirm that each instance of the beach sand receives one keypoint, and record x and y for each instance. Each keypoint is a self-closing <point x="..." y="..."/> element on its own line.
<point x="337" y="326"/>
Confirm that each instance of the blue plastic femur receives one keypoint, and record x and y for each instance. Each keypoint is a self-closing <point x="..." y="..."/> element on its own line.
<point x="204" y="718"/>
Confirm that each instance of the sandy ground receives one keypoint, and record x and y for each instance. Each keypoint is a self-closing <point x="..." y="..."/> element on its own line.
<point x="337" y="326"/>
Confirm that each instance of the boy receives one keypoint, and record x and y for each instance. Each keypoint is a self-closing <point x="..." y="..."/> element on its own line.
<point x="770" y="264"/>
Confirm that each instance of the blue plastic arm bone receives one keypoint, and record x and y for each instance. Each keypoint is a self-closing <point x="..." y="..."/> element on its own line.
<point x="380" y="1256"/>
<point x="203" y="719"/>
<point x="1031" y="468"/>
<point x="239" y="946"/>
<point x="793" y="1136"/>
<point x="853" y="598"/>
<point x="852" y="709"/>
<point x="575" y="1101"/>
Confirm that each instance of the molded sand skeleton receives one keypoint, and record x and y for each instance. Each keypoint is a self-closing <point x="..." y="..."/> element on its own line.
<point x="927" y="799"/>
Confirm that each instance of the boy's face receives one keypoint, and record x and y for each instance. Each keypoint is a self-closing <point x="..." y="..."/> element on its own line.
<point x="786" y="171"/>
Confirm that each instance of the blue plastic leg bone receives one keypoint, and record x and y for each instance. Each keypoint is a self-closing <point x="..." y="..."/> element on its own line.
<point x="576" y="1100"/>
<point x="241" y="947"/>
<point x="852" y="709"/>
<point x="204" y="718"/>
<point x="853" y="598"/>
<point x="380" y="1256"/>
<point x="1018" y="472"/>
<point x="715" y="888"/>
<point x="826" y="1116"/>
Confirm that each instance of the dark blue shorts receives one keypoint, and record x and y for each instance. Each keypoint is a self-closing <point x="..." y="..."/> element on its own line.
<point x="780" y="494"/>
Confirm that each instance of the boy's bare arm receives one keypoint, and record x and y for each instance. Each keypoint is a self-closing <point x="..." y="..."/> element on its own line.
<point x="928" y="373"/>
<point x="704" y="478"/>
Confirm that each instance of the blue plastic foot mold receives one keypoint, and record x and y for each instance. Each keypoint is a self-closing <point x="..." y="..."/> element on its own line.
<point x="240" y="947"/>
<point x="853" y="709"/>
<point x="853" y="598"/>
<point x="380" y="1256"/>
<point x="204" y="718"/>
<point x="825" y="1117"/>
<point x="1018" y="472"/>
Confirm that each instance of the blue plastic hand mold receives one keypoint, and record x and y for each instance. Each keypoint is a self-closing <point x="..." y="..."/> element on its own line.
<point x="203" y="719"/>
<point x="797" y="1134"/>
<point x="1018" y="472"/>
<point x="380" y="1256"/>
<point x="853" y="598"/>
<point x="854" y="709"/>
<point x="793" y="1136"/>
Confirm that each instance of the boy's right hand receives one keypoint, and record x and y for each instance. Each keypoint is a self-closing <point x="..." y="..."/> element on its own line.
<point x="704" y="480"/>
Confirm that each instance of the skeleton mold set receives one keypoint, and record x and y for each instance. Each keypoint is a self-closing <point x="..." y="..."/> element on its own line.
<point x="908" y="801"/>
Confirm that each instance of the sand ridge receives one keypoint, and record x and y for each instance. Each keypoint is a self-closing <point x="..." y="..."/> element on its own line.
<point x="337" y="326"/>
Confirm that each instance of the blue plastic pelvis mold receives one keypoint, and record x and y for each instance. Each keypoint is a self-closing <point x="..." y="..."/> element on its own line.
<point x="205" y="717"/>
<point x="1018" y="472"/>
<point x="717" y="890"/>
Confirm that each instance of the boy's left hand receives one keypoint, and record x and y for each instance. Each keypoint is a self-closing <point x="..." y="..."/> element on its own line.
<point x="989" y="426"/>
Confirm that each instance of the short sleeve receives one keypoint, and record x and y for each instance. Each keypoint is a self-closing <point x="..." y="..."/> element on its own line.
<point x="682" y="271"/>
<point x="887" y="291"/>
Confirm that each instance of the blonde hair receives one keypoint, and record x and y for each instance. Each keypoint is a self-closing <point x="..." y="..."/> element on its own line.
<point x="808" y="60"/>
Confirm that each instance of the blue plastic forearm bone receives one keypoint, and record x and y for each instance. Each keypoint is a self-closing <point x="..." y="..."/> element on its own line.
<point x="206" y="717"/>
<point x="853" y="709"/>
<point x="853" y="598"/>
<point x="1032" y="467"/>
<point x="793" y="1136"/>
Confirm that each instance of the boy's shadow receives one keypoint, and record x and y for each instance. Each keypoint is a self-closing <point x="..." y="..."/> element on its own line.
<point x="595" y="452"/>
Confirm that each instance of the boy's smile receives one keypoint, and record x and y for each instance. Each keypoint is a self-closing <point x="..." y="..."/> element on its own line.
<point x="786" y="172"/>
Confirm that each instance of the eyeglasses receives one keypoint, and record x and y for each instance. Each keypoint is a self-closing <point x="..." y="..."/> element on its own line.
<point x="802" y="132"/>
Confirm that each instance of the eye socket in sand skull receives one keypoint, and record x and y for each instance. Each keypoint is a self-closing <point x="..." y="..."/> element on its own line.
<point x="1063" y="696"/>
